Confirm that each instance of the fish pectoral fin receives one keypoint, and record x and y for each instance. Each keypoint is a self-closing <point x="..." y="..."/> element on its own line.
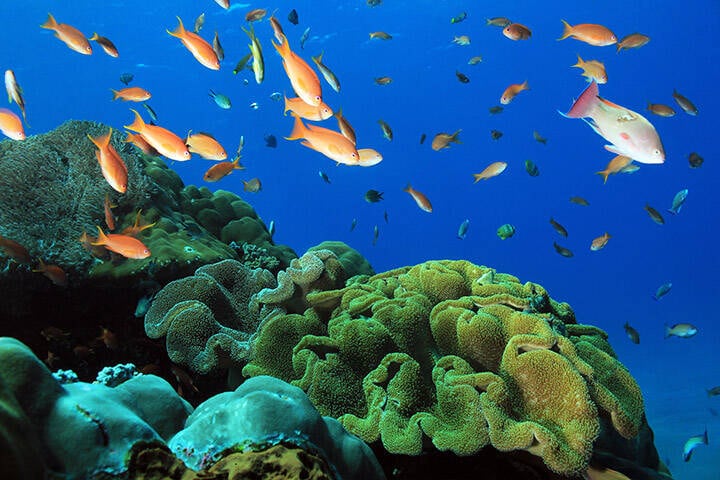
<point x="309" y="145"/>
<point x="594" y="126"/>
<point x="615" y="150"/>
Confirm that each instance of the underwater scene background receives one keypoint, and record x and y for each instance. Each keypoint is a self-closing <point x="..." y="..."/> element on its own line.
<point x="608" y="287"/>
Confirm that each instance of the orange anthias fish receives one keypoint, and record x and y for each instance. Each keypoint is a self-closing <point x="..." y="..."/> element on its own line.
<point x="443" y="140"/>
<point x="109" y="217"/>
<point x="105" y="43"/>
<point x="513" y="90"/>
<point x="616" y="165"/>
<point x="592" y="70"/>
<point x="221" y="170"/>
<point x="56" y="274"/>
<point x="369" y="157"/>
<point x="11" y="125"/>
<point x="600" y="242"/>
<point x="302" y="77"/>
<point x="420" y="199"/>
<point x="517" y="31"/>
<point x="135" y="229"/>
<point x="308" y="112"/>
<point x="206" y="146"/>
<point x="330" y="143"/>
<point x="14" y="91"/>
<point x="164" y="141"/>
<point x="112" y="165"/>
<point x="590" y="33"/>
<point x="14" y="250"/>
<point x="200" y="48"/>
<point x="125" y="245"/>
<point x="492" y="170"/>
<point x="137" y="140"/>
<point x="131" y="94"/>
<point x="629" y="133"/>
<point x="634" y="40"/>
<point x="71" y="36"/>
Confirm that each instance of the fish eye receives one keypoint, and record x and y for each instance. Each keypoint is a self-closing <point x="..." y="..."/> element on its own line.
<point x="317" y="97"/>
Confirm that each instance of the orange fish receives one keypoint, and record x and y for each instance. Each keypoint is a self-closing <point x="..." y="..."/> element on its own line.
<point x="634" y="40"/>
<point x="112" y="165"/>
<point x="330" y="143"/>
<point x="302" y="77"/>
<point x="221" y="170"/>
<point x="11" y="125"/>
<point x="131" y="94"/>
<point x="136" y="228"/>
<point x="517" y="31"/>
<point x="125" y="245"/>
<point x="14" y="250"/>
<point x="14" y="91"/>
<point x="616" y="165"/>
<point x="56" y="274"/>
<point x="492" y="170"/>
<point x="513" y="90"/>
<point x="164" y="141"/>
<point x="255" y="15"/>
<point x="599" y="242"/>
<point x="206" y="146"/>
<point x="420" y="199"/>
<point x="105" y="43"/>
<point x="71" y="36"/>
<point x="137" y="140"/>
<point x="253" y="185"/>
<point x="592" y="70"/>
<point x="109" y="217"/>
<point x="346" y="129"/>
<point x="443" y="140"/>
<point x="590" y="33"/>
<point x="308" y="112"/>
<point x="369" y="157"/>
<point x="200" y="49"/>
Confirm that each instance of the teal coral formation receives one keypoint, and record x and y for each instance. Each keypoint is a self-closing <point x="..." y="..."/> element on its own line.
<point x="459" y="354"/>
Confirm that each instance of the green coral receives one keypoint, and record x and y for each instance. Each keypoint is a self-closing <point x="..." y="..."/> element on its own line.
<point x="459" y="354"/>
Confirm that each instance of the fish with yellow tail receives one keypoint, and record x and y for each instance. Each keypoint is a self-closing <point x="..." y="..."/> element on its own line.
<point x="258" y="65"/>
<point x="330" y="143"/>
<point x="616" y="165"/>
<point x="221" y="170"/>
<point x="420" y="199"/>
<point x="492" y="170"/>
<point x="125" y="245"/>
<point x="512" y="91"/>
<point x="629" y="133"/>
<point x="590" y="33"/>
<point x="161" y="139"/>
<point x="111" y="164"/>
<point x="197" y="46"/>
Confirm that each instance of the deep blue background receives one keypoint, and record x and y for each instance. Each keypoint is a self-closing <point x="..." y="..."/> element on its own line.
<point x="606" y="288"/>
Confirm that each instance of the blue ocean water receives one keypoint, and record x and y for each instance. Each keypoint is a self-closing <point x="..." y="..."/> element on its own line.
<point x="606" y="288"/>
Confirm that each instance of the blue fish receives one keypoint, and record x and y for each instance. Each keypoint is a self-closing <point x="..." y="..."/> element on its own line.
<point x="693" y="442"/>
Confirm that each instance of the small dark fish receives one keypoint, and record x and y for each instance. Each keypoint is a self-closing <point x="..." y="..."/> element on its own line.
<point x="253" y="185"/>
<point x="324" y="176"/>
<point x="496" y="134"/>
<point x="531" y="168"/>
<point x="662" y="290"/>
<point x="632" y="334"/>
<point x="242" y="63"/>
<point x="376" y="234"/>
<point x="562" y="250"/>
<point x="126" y="78"/>
<point x="462" y="229"/>
<point x="685" y="104"/>
<point x="293" y="17"/>
<point x="270" y="141"/>
<point x="462" y="77"/>
<point x="713" y="392"/>
<point x="383" y="80"/>
<point x="150" y="111"/>
<point x="654" y="215"/>
<point x="385" y="216"/>
<point x="199" y="22"/>
<point x="539" y="138"/>
<point x="387" y="131"/>
<point x="505" y="231"/>
<point x="558" y="228"/>
<point x="498" y="21"/>
<point x="681" y="330"/>
<point x="459" y="18"/>
<point x="374" y="3"/>
<point x="695" y="160"/>
<point x="579" y="201"/>
<point x="373" y="196"/>
<point x="496" y="109"/>
<point x="217" y="47"/>
<point x="304" y="37"/>
<point x="422" y="138"/>
<point x="353" y="224"/>
<point x="271" y="228"/>
<point x="693" y="442"/>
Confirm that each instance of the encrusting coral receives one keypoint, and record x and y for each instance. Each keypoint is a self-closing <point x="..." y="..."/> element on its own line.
<point x="457" y="353"/>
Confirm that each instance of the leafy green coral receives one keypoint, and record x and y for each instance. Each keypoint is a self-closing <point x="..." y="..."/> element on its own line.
<point x="459" y="354"/>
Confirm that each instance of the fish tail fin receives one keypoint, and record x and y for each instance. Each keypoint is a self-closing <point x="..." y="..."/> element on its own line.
<point x="41" y="268"/>
<point x="524" y="85"/>
<point x="585" y="103"/>
<point x="299" y="129"/>
<point x="116" y="94"/>
<point x="50" y="23"/>
<point x="408" y="188"/>
<point x="567" y="30"/>
<point x="670" y="210"/>
<point x="94" y="37"/>
<point x="318" y="58"/>
<point x="102" y="141"/>
<point x="180" y="31"/>
<point x="668" y="331"/>
<point x="580" y="61"/>
<point x="287" y="107"/>
<point x="101" y="239"/>
<point x="454" y="138"/>
<point x="338" y="114"/>
<point x="605" y="174"/>
<point x="138" y="123"/>
<point x="283" y="48"/>
<point x="478" y="177"/>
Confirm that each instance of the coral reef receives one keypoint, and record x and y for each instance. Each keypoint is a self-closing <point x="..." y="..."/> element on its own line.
<point x="459" y="354"/>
